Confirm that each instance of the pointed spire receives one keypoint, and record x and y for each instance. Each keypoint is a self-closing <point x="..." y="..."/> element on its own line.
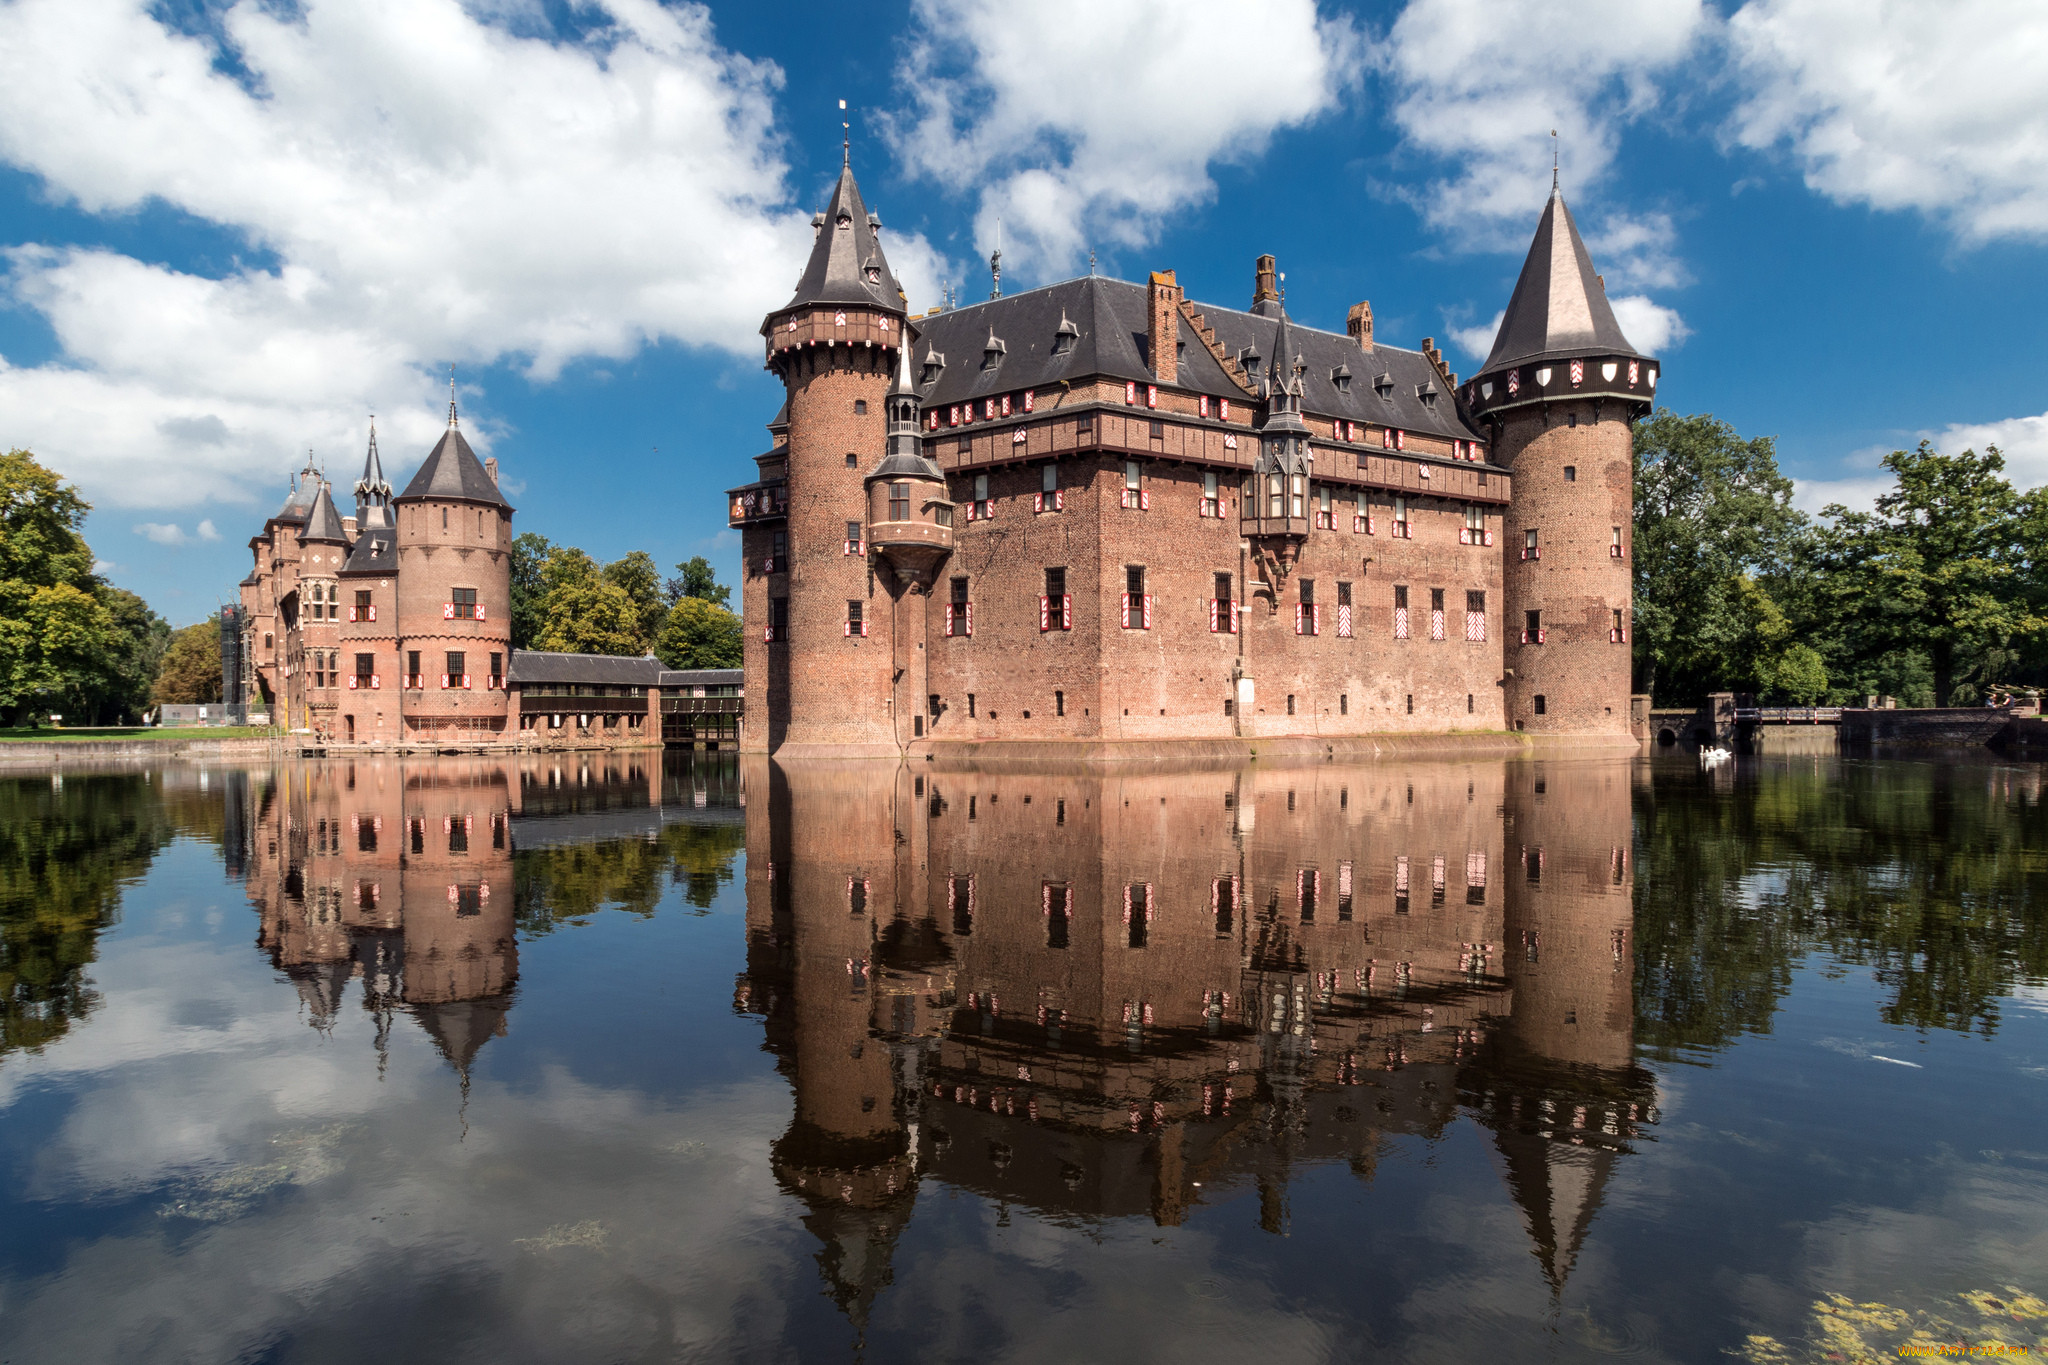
<point x="1559" y="307"/>
<point x="373" y="484"/>
<point x="995" y="267"/>
<point x="322" y="521"/>
<point x="847" y="265"/>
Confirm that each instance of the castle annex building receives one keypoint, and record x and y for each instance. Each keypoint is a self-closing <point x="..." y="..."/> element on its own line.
<point x="392" y="628"/>
<point x="1098" y="511"/>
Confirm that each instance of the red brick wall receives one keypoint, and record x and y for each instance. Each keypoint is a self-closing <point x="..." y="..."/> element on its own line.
<point x="838" y="687"/>
<point x="1577" y="584"/>
<point x="472" y="550"/>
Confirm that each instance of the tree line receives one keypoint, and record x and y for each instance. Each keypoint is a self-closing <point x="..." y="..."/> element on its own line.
<point x="1937" y="596"/>
<point x="562" y="599"/>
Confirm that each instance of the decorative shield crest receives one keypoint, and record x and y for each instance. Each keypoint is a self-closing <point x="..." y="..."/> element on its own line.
<point x="1543" y="378"/>
<point x="1608" y="371"/>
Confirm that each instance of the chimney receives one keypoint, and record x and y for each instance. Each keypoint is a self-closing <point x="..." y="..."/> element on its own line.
<point x="348" y="527"/>
<point x="1359" y="325"/>
<point x="1268" y="285"/>
<point x="1162" y="327"/>
<point x="491" y="468"/>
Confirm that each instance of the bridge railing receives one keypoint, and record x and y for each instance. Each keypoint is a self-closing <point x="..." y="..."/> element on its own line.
<point x="1788" y="715"/>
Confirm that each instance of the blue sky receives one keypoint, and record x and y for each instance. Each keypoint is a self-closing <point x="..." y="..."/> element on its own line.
<point x="232" y="232"/>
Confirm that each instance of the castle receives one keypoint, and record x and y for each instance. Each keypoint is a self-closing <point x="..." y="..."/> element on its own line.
<point x="1097" y="512"/>
<point x="392" y="629"/>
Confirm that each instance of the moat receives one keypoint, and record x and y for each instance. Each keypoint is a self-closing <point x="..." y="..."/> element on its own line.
<point x="654" y="1057"/>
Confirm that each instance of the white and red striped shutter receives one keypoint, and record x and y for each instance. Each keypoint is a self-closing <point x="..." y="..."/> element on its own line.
<point x="1148" y="611"/>
<point x="1028" y="396"/>
<point x="1215" y="614"/>
<point x="1066" y="611"/>
<point x="1144" y="499"/>
<point x="1224" y="404"/>
<point x="447" y="611"/>
<point x="1298" y="618"/>
<point x="1127" y="611"/>
<point x="1151" y="395"/>
<point x="949" y="618"/>
<point x="1130" y="391"/>
<point x="1316" y="617"/>
<point x="970" y="618"/>
<point x="1045" y="613"/>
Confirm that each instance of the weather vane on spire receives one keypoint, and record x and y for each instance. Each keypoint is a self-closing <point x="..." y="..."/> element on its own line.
<point x="1553" y="161"/>
<point x="452" y="420"/>
<point x="995" y="264"/>
<point x="845" y="139"/>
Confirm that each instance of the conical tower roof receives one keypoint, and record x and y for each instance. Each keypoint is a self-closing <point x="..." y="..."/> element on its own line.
<point x="299" y="501"/>
<point x="323" y="522"/>
<point x="452" y="470"/>
<point x="847" y="265"/>
<point x="373" y="484"/>
<point x="1559" y="307"/>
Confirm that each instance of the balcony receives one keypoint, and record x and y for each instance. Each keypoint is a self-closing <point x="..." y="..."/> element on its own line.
<point x="756" y="503"/>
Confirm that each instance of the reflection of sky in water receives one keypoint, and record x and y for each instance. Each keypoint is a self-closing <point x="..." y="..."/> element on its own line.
<point x="223" y="1160"/>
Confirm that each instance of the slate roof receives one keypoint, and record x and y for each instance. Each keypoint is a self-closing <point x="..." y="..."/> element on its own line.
<point x="1559" y="307"/>
<point x="375" y="551"/>
<point x="703" y="677"/>
<point x="1109" y="317"/>
<point x="323" y="522"/>
<point x="847" y="264"/>
<point x="534" y="666"/>
<point x="299" y="501"/>
<point x="452" y="470"/>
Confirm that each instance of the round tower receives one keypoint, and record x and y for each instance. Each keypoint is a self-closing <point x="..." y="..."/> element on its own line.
<point x="826" y="648"/>
<point x="454" y="590"/>
<point x="1560" y="394"/>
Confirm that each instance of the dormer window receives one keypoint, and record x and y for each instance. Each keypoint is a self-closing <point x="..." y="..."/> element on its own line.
<point x="1427" y="392"/>
<point x="1249" y="358"/>
<point x="1383" y="385"/>
<point x="1063" y="340"/>
<point x="845" y="221"/>
<point x="993" y="351"/>
<point x="874" y="274"/>
<point x="933" y="363"/>
<point x="1341" y="377"/>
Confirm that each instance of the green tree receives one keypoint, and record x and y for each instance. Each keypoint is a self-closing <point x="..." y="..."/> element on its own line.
<point x="56" y="632"/>
<point x="190" y="672"/>
<point x="135" y="657"/>
<point x="636" y="576"/>
<point x="699" y="634"/>
<point x="1800" y="675"/>
<point x="1717" y="548"/>
<point x="696" y="578"/>
<point x="583" y="613"/>
<point x="529" y="552"/>
<point x="1935" y="568"/>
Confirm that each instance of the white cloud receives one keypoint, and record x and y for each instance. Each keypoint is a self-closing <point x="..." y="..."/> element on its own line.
<point x="1650" y="327"/>
<point x="1072" y="144"/>
<point x="163" y="533"/>
<point x="2022" y="440"/>
<point x="1479" y="84"/>
<point x="1477" y="341"/>
<point x="1928" y="105"/>
<point x="436" y="189"/>
<point x="205" y="530"/>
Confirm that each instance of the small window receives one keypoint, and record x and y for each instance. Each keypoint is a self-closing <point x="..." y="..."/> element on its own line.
<point x="1055" y="583"/>
<point x="853" y="537"/>
<point x="860" y="407"/>
<point x="1290" y="703"/>
<point x="1134" y="580"/>
<point x="1158" y="430"/>
<point x="854" y="624"/>
<point x="981" y="495"/>
<point x="366" y="664"/>
<point x="1343" y="594"/>
<point x="1571" y="471"/>
<point x="1411" y="703"/>
<point x="1223" y="587"/>
<point x="1133" y="475"/>
<point x="1533" y="624"/>
<point x="1059" y="708"/>
<point x="970" y="707"/>
<point x="1529" y="539"/>
<point x="852" y="460"/>
<point x="1049" y="479"/>
<point x="456" y="667"/>
<point x="1539" y="703"/>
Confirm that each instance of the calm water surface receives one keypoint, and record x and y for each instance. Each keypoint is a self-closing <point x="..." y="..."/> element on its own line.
<point x="626" y="1059"/>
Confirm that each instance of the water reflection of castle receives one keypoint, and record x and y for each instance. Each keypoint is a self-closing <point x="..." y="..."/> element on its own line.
<point x="1110" y="995"/>
<point x="400" y="872"/>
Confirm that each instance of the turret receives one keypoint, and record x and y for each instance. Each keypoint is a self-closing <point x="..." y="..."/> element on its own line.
<point x="1560" y="392"/>
<point x="1273" y="515"/>
<point x="454" y="553"/>
<point x="373" y="491"/>
<point x="827" y="662"/>
<point x="910" y="518"/>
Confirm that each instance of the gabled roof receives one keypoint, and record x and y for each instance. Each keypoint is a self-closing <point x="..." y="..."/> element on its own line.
<point x="847" y="264"/>
<point x="1559" y="307"/>
<point x="323" y="522"/>
<point x="452" y="470"/>
<point x="703" y="677"/>
<point x="1110" y="317"/>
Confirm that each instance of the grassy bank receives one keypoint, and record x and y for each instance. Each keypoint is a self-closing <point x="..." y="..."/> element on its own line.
<point x="83" y="735"/>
